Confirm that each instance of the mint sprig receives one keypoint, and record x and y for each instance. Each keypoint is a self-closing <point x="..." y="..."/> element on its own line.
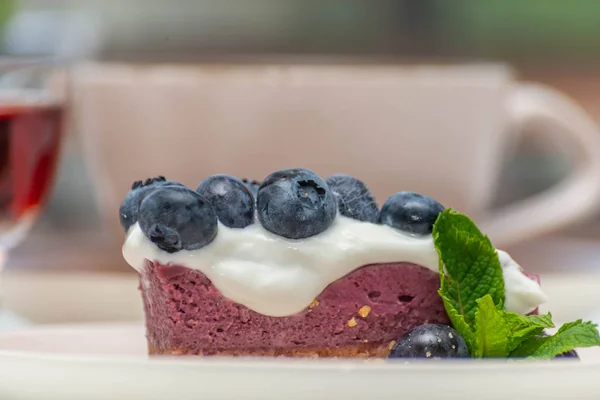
<point x="491" y="330"/>
<point x="522" y="328"/>
<point x="472" y="289"/>
<point x="472" y="265"/>
<point x="584" y="334"/>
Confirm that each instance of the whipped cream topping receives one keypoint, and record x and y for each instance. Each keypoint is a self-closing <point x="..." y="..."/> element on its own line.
<point x="278" y="277"/>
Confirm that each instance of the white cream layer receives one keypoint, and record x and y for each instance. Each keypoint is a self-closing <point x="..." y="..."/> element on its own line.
<point x="276" y="276"/>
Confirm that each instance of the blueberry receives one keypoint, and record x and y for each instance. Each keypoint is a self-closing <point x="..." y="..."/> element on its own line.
<point x="568" y="354"/>
<point x="353" y="197"/>
<point x="430" y="341"/>
<point x="253" y="185"/>
<point x="411" y="212"/>
<point x="128" y="212"/>
<point x="176" y="218"/>
<point x="295" y="204"/>
<point x="231" y="199"/>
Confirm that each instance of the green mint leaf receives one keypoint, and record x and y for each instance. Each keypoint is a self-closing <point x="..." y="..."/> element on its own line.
<point x="458" y="322"/>
<point x="569" y="337"/>
<point x="491" y="330"/>
<point x="472" y="289"/>
<point x="524" y="327"/>
<point x="497" y="333"/>
<point x="470" y="267"/>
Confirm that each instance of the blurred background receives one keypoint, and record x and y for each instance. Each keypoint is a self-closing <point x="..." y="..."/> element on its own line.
<point x="553" y="42"/>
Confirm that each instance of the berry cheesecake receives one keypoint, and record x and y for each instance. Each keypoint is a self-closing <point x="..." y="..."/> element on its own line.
<point x="299" y="265"/>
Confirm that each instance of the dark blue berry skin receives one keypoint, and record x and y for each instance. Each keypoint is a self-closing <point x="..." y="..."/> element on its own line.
<point x="569" y="354"/>
<point x="430" y="341"/>
<point x="295" y="204"/>
<point x="253" y="186"/>
<point x="128" y="212"/>
<point x="354" y="199"/>
<point x="411" y="212"/>
<point x="231" y="199"/>
<point x="177" y="218"/>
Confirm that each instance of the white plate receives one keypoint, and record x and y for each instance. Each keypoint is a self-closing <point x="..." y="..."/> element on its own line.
<point x="109" y="362"/>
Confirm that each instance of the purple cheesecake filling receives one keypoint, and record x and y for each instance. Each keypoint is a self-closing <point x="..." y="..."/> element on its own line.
<point x="375" y="304"/>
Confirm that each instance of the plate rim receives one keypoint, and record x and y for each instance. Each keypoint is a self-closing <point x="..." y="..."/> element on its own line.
<point x="266" y="363"/>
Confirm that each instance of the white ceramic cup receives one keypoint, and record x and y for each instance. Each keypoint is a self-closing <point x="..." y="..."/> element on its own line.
<point x="441" y="131"/>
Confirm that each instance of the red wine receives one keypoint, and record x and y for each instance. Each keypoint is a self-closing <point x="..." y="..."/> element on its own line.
<point x="29" y="145"/>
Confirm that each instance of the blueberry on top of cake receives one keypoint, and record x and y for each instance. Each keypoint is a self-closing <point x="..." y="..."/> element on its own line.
<point x="299" y="265"/>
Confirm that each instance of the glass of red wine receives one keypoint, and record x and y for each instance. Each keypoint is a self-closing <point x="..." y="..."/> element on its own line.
<point x="31" y="124"/>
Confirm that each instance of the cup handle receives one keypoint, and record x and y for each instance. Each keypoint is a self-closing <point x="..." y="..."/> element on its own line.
<point x="571" y="200"/>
